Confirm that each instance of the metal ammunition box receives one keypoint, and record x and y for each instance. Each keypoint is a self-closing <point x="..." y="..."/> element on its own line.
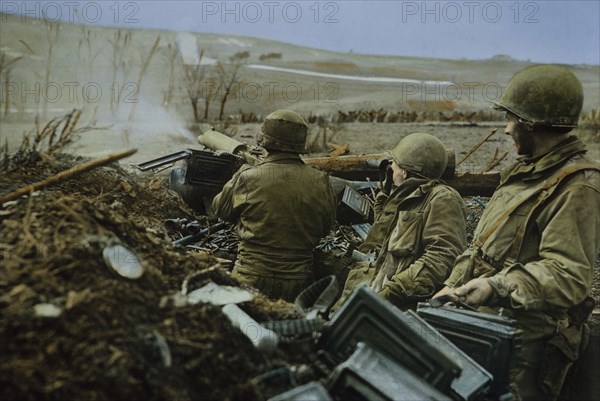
<point x="272" y="383"/>
<point x="209" y="171"/>
<point x="313" y="391"/>
<point x="353" y="208"/>
<point x="489" y="339"/>
<point x="474" y="380"/>
<point x="372" y="375"/>
<point x="362" y="230"/>
<point x="201" y="176"/>
<point x="366" y="317"/>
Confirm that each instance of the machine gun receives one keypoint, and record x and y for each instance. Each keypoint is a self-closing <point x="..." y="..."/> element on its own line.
<point x="203" y="173"/>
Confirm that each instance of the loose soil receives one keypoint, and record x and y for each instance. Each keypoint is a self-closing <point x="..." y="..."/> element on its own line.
<point x="107" y="341"/>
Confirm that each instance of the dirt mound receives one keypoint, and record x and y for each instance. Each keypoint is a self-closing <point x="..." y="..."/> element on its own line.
<point x="72" y="329"/>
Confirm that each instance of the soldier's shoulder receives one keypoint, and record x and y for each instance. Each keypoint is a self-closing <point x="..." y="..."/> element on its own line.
<point x="445" y="191"/>
<point x="587" y="173"/>
<point x="316" y="172"/>
<point x="246" y="172"/>
<point x="585" y="160"/>
<point x="249" y="168"/>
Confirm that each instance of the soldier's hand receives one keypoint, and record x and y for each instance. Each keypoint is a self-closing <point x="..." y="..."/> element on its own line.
<point x="444" y="291"/>
<point x="388" y="181"/>
<point x="474" y="293"/>
<point x="383" y="165"/>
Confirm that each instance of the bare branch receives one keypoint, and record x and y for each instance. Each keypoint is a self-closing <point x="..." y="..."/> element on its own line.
<point x="474" y="148"/>
<point x="143" y="73"/>
<point x="228" y="79"/>
<point x="27" y="46"/>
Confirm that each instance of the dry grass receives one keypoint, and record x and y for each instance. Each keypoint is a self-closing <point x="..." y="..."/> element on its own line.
<point x="589" y="124"/>
<point x="6" y="66"/>
<point x="320" y="136"/>
<point x="53" y="136"/>
<point x="45" y="141"/>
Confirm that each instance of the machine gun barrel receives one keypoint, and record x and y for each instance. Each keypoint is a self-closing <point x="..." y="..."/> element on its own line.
<point x="161" y="161"/>
<point x="219" y="142"/>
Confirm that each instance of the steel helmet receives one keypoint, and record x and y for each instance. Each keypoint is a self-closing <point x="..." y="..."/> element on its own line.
<point x="422" y="154"/>
<point x="547" y="95"/>
<point x="284" y="130"/>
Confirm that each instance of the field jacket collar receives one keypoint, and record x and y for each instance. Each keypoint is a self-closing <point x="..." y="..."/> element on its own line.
<point x="282" y="158"/>
<point x="413" y="188"/>
<point x="528" y="168"/>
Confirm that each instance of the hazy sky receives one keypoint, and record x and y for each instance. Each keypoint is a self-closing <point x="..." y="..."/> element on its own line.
<point x="541" y="31"/>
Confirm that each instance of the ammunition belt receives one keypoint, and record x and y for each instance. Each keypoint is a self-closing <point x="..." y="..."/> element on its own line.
<point x="313" y="302"/>
<point x="289" y="328"/>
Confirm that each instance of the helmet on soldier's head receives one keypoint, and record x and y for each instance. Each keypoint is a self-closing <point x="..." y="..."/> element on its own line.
<point x="422" y="154"/>
<point x="284" y="130"/>
<point x="547" y="95"/>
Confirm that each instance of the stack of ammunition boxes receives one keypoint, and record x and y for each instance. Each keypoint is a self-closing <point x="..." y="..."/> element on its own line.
<point x="374" y="351"/>
<point x="490" y="340"/>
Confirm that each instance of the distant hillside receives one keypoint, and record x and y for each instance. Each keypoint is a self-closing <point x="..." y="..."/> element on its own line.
<point x="83" y="59"/>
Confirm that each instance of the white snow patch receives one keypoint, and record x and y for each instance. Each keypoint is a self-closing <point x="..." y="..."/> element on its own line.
<point x="234" y="41"/>
<point x="348" y="77"/>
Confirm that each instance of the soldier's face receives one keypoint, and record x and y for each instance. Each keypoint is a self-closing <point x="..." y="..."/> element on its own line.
<point x="399" y="174"/>
<point x="520" y="134"/>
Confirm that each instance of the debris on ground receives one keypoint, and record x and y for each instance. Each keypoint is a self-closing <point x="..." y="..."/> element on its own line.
<point x="74" y="329"/>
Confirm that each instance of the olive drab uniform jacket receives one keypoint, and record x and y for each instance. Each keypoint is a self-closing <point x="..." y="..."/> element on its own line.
<point x="282" y="208"/>
<point x="418" y="232"/>
<point x="538" y="237"/>
<point x="537" y="241"/>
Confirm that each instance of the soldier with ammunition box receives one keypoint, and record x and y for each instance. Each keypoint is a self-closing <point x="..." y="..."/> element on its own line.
<point x="533" y="252"/>
<point x="281" y="207"/>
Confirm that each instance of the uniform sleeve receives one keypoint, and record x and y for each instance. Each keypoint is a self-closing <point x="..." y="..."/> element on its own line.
<point x="380" y="199"/>
<point x="467" y="267"/>
<point x="563" y="274"/>
<point x="226" y="205"/>
<point x="460" y="270"/>
<point x="443" y="239"/>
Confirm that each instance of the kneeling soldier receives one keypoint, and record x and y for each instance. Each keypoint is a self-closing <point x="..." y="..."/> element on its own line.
<point x="281" y="207"/>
